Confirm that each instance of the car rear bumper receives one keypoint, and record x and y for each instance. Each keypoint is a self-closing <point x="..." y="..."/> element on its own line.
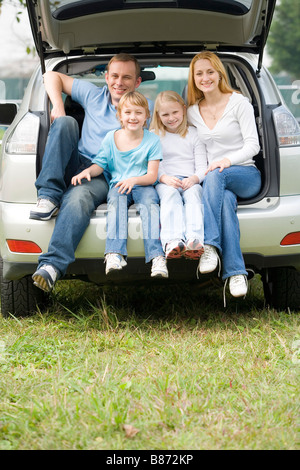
<point x="263" y="226"/>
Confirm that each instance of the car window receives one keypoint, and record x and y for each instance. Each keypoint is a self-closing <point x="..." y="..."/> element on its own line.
<point x="166" y="78"/>
<point x="2" y="130"/>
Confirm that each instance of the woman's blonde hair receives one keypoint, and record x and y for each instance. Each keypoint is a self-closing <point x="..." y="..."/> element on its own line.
<point x="156" y="123"/>
<point x="194" y="94"/>
<point x="135" y="98"/>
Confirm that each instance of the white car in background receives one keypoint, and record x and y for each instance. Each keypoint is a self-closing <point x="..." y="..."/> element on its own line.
<point x="78" y="38"/>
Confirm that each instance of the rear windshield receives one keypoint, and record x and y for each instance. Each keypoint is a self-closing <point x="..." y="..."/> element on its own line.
<point x="67" y="9"/>
<point x="161" y="79"/>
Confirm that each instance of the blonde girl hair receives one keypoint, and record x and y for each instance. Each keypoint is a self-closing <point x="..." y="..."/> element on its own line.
<point x="156" y="123"/>
<point x="135" y="98"/>
<point x="194" y="95"/>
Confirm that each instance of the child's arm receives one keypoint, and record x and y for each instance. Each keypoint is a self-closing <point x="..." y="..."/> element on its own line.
<point x="149" y="178"/>
<point x="88" y="173"/>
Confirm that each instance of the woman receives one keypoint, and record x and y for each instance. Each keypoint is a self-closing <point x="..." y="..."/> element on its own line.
<point x="226" y="127"/>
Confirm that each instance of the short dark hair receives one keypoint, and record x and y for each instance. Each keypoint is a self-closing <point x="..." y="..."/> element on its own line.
<point x="124" y="57"/>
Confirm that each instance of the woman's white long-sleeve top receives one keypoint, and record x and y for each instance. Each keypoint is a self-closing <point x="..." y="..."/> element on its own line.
<point x="235" y="134"/>
<point x="182" y="156"/>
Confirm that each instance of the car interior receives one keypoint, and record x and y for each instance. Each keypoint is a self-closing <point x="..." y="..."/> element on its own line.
<point x="170" y="75"/>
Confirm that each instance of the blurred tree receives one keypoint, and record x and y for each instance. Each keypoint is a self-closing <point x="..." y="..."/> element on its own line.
<point x="283" y="44"/>
<point x="15" y="3"/>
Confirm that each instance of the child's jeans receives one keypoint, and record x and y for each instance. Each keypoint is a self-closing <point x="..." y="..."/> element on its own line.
<point x="181" y="213"/>
<point x="147" y="201"/>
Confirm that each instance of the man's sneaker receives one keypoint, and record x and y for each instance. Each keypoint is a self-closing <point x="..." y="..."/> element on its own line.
<point x="238" y="285"/>
<point x="114" y="262"/>
<point x="209" y="260"/>
<point x="174" y="249"/>
<point x="45" y="277"/>
<point x="159" y="267"/>
<point x="44" y="210"/>
<point x="194" y="249"/>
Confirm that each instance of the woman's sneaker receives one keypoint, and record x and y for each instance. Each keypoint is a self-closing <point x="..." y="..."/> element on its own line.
<point x="238" y="285"/>
<point x="114" y="262"/>
<point x="45" y="277"/>
<point x="159" y="267"/>
<point x="194" y="249"/>
<point x="44" y="210"/>
<point x="209" y="260"/>
<point x="174" y="249"/>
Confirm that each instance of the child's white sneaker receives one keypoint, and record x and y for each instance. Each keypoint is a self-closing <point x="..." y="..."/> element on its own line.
<point x="114" y="261"/>
<point x="238" y="285"/>
<point x="159" y="267"/>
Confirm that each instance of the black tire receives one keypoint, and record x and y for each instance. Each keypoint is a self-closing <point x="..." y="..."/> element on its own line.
<point x="282" y="288"/>
<point x="20" y="297"/>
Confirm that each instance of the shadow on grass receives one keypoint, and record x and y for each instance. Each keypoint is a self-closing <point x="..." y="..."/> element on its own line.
<point x="141" y="304"/>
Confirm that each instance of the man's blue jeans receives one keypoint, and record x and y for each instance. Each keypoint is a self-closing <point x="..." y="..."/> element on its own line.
<point x="147" y="202"/>
<point x="61" y="161"/>
<point x="221" y="225"/>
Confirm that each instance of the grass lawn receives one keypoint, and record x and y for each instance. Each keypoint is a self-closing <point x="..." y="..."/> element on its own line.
<point x="150" y="368"/>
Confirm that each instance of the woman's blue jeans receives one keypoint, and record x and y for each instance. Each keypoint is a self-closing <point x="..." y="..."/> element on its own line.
<point x="221" y="225"/>
<point x="147" y="202"/>
<point x="61" y="161"/>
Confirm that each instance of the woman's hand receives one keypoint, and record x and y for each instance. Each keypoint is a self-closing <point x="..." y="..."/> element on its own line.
<point x="171" y="181"/>
<point x="224" y="163"/>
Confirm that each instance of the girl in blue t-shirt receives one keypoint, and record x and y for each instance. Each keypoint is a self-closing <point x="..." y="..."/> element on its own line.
<point x="131" y="155"/>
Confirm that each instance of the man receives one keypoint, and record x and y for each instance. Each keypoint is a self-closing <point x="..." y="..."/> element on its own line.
<point x="66" y="154"/>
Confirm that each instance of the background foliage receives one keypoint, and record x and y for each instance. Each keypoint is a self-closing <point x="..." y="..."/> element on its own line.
<point x="284" y="39"/>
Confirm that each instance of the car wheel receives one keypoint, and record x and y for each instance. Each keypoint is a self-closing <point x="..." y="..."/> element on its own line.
<point x="20" y="297"/>
<point x="282" y="288"/>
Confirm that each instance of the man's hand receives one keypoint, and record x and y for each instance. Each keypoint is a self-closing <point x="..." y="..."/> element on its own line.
<point x="57" y="83"/>
<point x="57" y="111"/>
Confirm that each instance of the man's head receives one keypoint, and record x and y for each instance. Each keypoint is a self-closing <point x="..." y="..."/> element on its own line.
<point x="122" y="75"/>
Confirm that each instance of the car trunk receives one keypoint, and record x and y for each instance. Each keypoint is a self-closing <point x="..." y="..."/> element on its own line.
<point x="159" y="32"/>
<point x="170" y="71"/>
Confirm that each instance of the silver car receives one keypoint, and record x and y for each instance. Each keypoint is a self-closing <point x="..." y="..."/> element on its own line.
<point x="79" y="38"/>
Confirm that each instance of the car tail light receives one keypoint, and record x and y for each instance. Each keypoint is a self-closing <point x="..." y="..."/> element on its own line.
<point x="287" y="128"/>
<point x="292" y="238"/>
<point x="24" y="138"/>
<point x="23" y="246"/>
